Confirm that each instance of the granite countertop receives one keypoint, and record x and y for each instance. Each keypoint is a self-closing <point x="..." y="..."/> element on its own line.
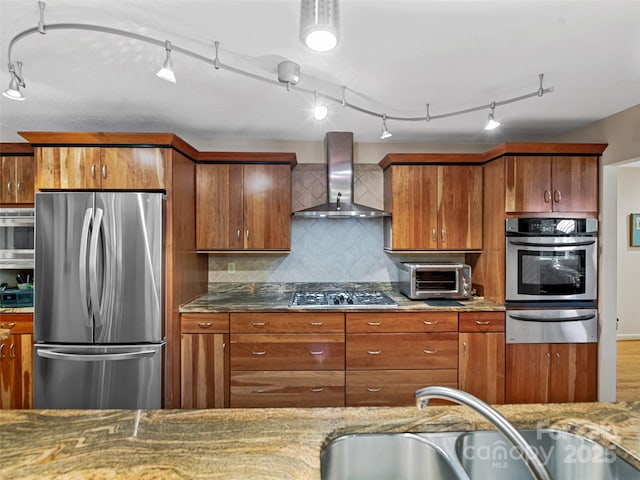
<point x="261" y="444"/>
<point x="16" y="310"/>
<point x="246" y="297"/>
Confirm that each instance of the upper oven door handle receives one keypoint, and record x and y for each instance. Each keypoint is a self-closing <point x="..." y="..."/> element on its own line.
<point x="585" y="243"/>
<point x="533" y="318"/>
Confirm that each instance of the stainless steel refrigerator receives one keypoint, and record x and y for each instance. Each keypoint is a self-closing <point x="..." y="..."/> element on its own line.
<point x="99" y="300"/>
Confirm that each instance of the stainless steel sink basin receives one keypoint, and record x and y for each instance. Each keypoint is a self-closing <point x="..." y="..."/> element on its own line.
<point x="468" y="455"/>
<point x="486" y="454"/>
<point x="401" y="456"/>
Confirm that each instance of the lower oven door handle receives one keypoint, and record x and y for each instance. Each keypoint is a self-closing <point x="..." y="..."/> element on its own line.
<point x="528" y="318"/>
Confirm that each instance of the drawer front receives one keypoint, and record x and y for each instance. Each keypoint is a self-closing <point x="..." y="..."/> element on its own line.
<point x="287" y="389"/>
<point x="204" y="323"/>
<point x="402" y="322"/>
<point x="287" y="352"/>
<point x="393" y="387"/>
<point x="482" y="321"/>
<point x="403" y="351"/>
<point x="17" y="323"/>
<point x="287" y="322"/>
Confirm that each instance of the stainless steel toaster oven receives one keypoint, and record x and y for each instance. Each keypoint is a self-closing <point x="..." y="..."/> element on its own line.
<point x="435" y="280"/>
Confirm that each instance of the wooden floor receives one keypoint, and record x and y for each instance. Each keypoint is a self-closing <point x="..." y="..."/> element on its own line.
<point x="628" y="366"/>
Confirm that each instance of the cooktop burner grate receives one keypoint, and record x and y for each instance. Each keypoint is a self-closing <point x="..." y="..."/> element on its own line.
<point x="341" y="298"/>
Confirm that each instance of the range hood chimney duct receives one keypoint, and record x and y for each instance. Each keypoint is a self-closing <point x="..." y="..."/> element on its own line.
<point x="338" y="147"/>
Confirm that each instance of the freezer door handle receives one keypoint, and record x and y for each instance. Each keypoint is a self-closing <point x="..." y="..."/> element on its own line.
<point x="82" y="263"/>
<point x="93" y="266"/>
<point x="98" y="357"/>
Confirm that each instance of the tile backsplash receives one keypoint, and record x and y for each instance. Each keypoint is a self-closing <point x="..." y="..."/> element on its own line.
<point x="325" y="250"/>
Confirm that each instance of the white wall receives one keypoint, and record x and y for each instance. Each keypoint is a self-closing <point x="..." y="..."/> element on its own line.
<point x="620" y="131"/>
<point x="628" y="257"/>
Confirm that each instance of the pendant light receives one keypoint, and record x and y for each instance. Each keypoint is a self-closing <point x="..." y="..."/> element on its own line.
<point x="13" y="92"/>
<point x="492" y="123"/>
<point x="385" y="133"/>
<point x="319" y="24"/>
<point x="166" y="72"/>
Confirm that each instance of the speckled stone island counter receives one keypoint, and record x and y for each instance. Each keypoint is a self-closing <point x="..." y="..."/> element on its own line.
<point x="275" y="297"/>
<point x="258" y="444"/>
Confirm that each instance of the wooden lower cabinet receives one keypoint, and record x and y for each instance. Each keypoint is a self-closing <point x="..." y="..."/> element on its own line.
<point x="204" y="360"/>
<point x="16" y="362"/>
<point x="481" y="355"/>
<point x="541" y="372"/>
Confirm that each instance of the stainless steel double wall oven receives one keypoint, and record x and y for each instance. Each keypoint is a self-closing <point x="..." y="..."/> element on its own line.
<point x="551" y="280"/>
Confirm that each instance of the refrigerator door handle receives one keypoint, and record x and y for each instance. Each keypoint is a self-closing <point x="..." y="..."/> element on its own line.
<point x="82" y="263"/>
<point x="98" y="357"/>
<point x="93" y="266"/>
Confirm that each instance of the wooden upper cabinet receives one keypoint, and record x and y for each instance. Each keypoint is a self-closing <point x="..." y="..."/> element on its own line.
<point x="543" y="184"/>
<point x="91" y="168"/>
<point x="433" y="207"/>
<point x="243" y="206"/>
<point x="16" y="179"/>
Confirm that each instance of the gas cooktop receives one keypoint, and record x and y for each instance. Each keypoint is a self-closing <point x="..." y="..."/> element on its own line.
<point x="341" y="298"/>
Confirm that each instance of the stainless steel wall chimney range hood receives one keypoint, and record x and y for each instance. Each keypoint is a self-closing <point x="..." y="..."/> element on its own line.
<point x="338" y="147"/>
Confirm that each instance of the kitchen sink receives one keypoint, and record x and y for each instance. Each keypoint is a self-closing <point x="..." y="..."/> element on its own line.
<point x="468" y="455"/>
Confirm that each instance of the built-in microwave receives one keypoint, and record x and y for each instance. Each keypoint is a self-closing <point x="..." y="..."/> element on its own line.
<point x="435" y="280"/>
<point x="17" y="238"/>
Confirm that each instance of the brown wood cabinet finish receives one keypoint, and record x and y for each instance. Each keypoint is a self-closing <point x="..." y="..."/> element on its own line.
<point x="90" y="168"/>
<point x="287" y="322"/>
<point x="405" y="322"/>
<point x="16" y="362"/>
<point x="17" y="178"/>
<point x="540" y="373"/>
<point x="481" y="365"/>
<point x="243" y="207"/>
<point x="543" y="184"/>
<point x="430" y="210"/>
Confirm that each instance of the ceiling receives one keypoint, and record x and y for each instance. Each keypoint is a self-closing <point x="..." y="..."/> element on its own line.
<point x="393" y="57"/>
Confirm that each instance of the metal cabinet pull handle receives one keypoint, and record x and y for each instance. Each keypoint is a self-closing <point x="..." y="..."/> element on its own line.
<point x="316" y="324"/>
<point x="205" y="324"/>
<point x="104" y="171"/>
<point x="259" y="390"/>
<point x="317" y="390"/>
<point x="430" y="352"/>
<point x="9" y="186"/>
<point x="8" y="325"/>
<point x="258" y="324"/>
<point x="433" y="234"/>
<point x="548" y="355"/>
<point x="263" y="352"/>
<point x="443" y="235"/>
<point x="557" y="358"/>
<point x="374" y="324"/>
<point x="374" y="389"/>
<point x="430" y="322"/>
<point x="547" y="196"/>
<point x="238" y="233"/>
<point x="247" y="234"/>
<point x="316" y="352"/>
<point x="374" y="352"/>
<point x="18" y="186"/>
<point x="486" y="322"/>
<point x="464" y="349"/>
<point x="12" y="353"/>
<point x="1" y="351"/>
<point x="557" y="196"/>
<point x="93" y="170"/>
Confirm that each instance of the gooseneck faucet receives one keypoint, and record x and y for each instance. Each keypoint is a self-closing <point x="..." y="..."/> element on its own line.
<point x="532" y="461"/>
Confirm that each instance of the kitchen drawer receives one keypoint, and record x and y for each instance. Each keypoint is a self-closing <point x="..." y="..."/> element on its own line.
<point x="393" y="387"/>
<point x="287" y="389"/>
<point x="287" y="352"/>
<point x="482" y="321"/>
<point x="402" y="322"/>
<point x="401" y="351"/>
<point x="17" y="323"/>
<point x="204" y="323"/>
<point x="287" y="322"/>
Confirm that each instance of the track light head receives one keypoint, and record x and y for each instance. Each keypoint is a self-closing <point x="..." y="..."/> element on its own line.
<point x="319" y="24"/>
<point x="166" y="72"/>
<point x="385" y="133"/>
<point x="320" y="110"/>
<point x="13" y="92"/>
<point x="492" y="123"/>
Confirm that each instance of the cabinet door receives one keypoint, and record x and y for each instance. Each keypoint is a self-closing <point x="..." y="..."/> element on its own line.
<point x="219" y="221"/>
<point x="574" y="368"/>
<point x="575" y="184"/>
<point x="528" y="184"/>
<point x="68" y="167"/>
<point x="132" y="168"/>
<point x="16" y="372"/>
<point x="459" y="207"/>
<point x="7" y="179"/>
<point x="528" y="369"/>
<point x="481" y="365"/>
<point x="267" y="207"/>
<point x="204" y="367"/>
<point x="413" y="203"/>
<point x="25" y="179"/>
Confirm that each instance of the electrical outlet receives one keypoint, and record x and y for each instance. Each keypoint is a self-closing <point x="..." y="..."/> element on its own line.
<point x="231" y="268"/>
